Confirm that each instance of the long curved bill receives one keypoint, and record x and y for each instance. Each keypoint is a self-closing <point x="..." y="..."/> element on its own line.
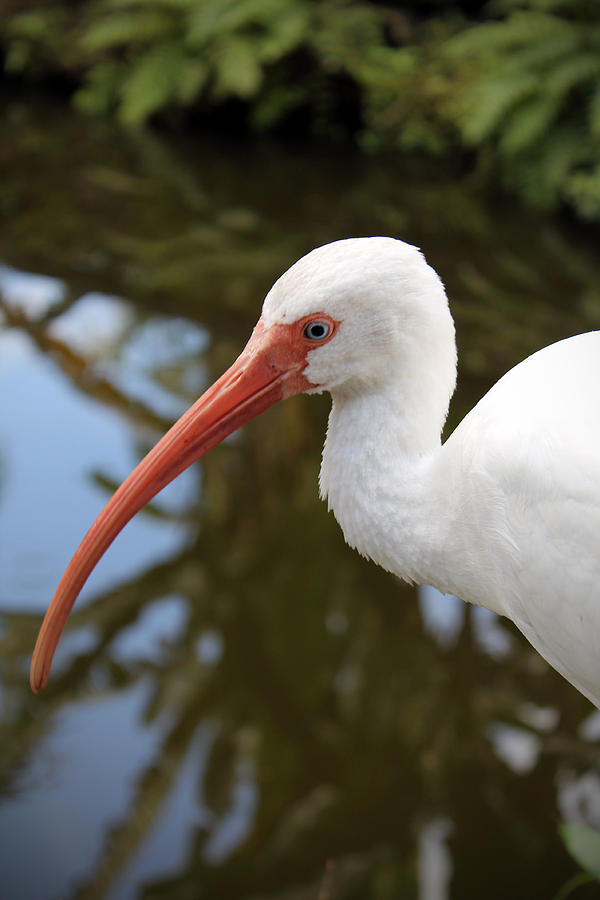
<point x="268" y="369"/>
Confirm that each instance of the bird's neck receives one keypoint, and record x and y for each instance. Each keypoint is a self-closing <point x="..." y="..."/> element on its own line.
<point x="382" y="476"/>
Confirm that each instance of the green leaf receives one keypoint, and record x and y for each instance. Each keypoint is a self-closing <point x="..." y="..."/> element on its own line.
<point x="192" y="78"/>
<point x="583" y="844"/>
<point x="487" y="103"/>
<point x="152" y="82"/>
<point x="287" y="31"/>
<point x="528" y="123"/>
<point x="100" y="91"/>
<point x="523" y="27"/>
<point x="237" y="68"/>
<point x="274" y="103"/>
<point x="35" y="25"/>
<point x="135" y="27"/>
<point x="18" y="56"/>
<point x="579" y="69"/>
<point x="544" y="54"/>
<point x="214" y="18"/>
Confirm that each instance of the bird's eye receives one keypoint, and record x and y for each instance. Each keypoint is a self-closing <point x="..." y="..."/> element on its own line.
<point x="317" y="330"/>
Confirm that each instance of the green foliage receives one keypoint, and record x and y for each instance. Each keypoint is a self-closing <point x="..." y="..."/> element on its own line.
<point x="33" y="39"/>
<point x="529" y="91"/>
<point x="519" y="89"/>
<point x="583" y="843"/>
<point x="142" y="57"/>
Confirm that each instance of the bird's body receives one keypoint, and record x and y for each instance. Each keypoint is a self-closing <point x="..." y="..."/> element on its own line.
<point x="529" y="458"/>
<point x="505" y="514"/>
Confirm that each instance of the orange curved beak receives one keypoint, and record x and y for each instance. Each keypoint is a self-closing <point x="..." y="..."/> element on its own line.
<point x="269" y="369"/>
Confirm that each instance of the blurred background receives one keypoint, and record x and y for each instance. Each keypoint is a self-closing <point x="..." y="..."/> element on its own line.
<point x="241" y="707"/>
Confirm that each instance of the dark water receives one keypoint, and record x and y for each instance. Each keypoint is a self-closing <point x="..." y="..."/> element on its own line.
<point x="241" y="706"/>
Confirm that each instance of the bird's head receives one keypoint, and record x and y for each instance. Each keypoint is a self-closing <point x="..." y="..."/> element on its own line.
<point x="360" y="312"/>
<point x="341" y="319"/>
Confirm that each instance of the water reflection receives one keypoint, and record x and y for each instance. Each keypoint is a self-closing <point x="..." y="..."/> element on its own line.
<point x="60" y="452"/>
<point x="241" y="706"/>
<point x="435" y="860"/>
<point x="32" y="295"/>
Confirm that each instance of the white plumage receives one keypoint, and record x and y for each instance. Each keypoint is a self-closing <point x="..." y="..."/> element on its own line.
<point x="506" y="513"/>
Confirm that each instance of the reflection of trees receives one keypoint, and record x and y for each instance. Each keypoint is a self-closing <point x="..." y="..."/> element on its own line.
<point x="356" y="737"/>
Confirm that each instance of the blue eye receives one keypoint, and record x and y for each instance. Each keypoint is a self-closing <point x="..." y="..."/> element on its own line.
<point x="317" y="330"/>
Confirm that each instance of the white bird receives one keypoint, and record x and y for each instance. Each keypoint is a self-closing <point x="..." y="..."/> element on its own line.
<point x="505" y="514"/>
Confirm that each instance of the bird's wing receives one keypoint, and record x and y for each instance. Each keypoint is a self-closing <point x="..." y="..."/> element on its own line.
<point x="531" y="463"/>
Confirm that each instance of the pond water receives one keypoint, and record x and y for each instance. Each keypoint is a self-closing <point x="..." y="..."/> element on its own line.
<point x="242" y="707"/>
